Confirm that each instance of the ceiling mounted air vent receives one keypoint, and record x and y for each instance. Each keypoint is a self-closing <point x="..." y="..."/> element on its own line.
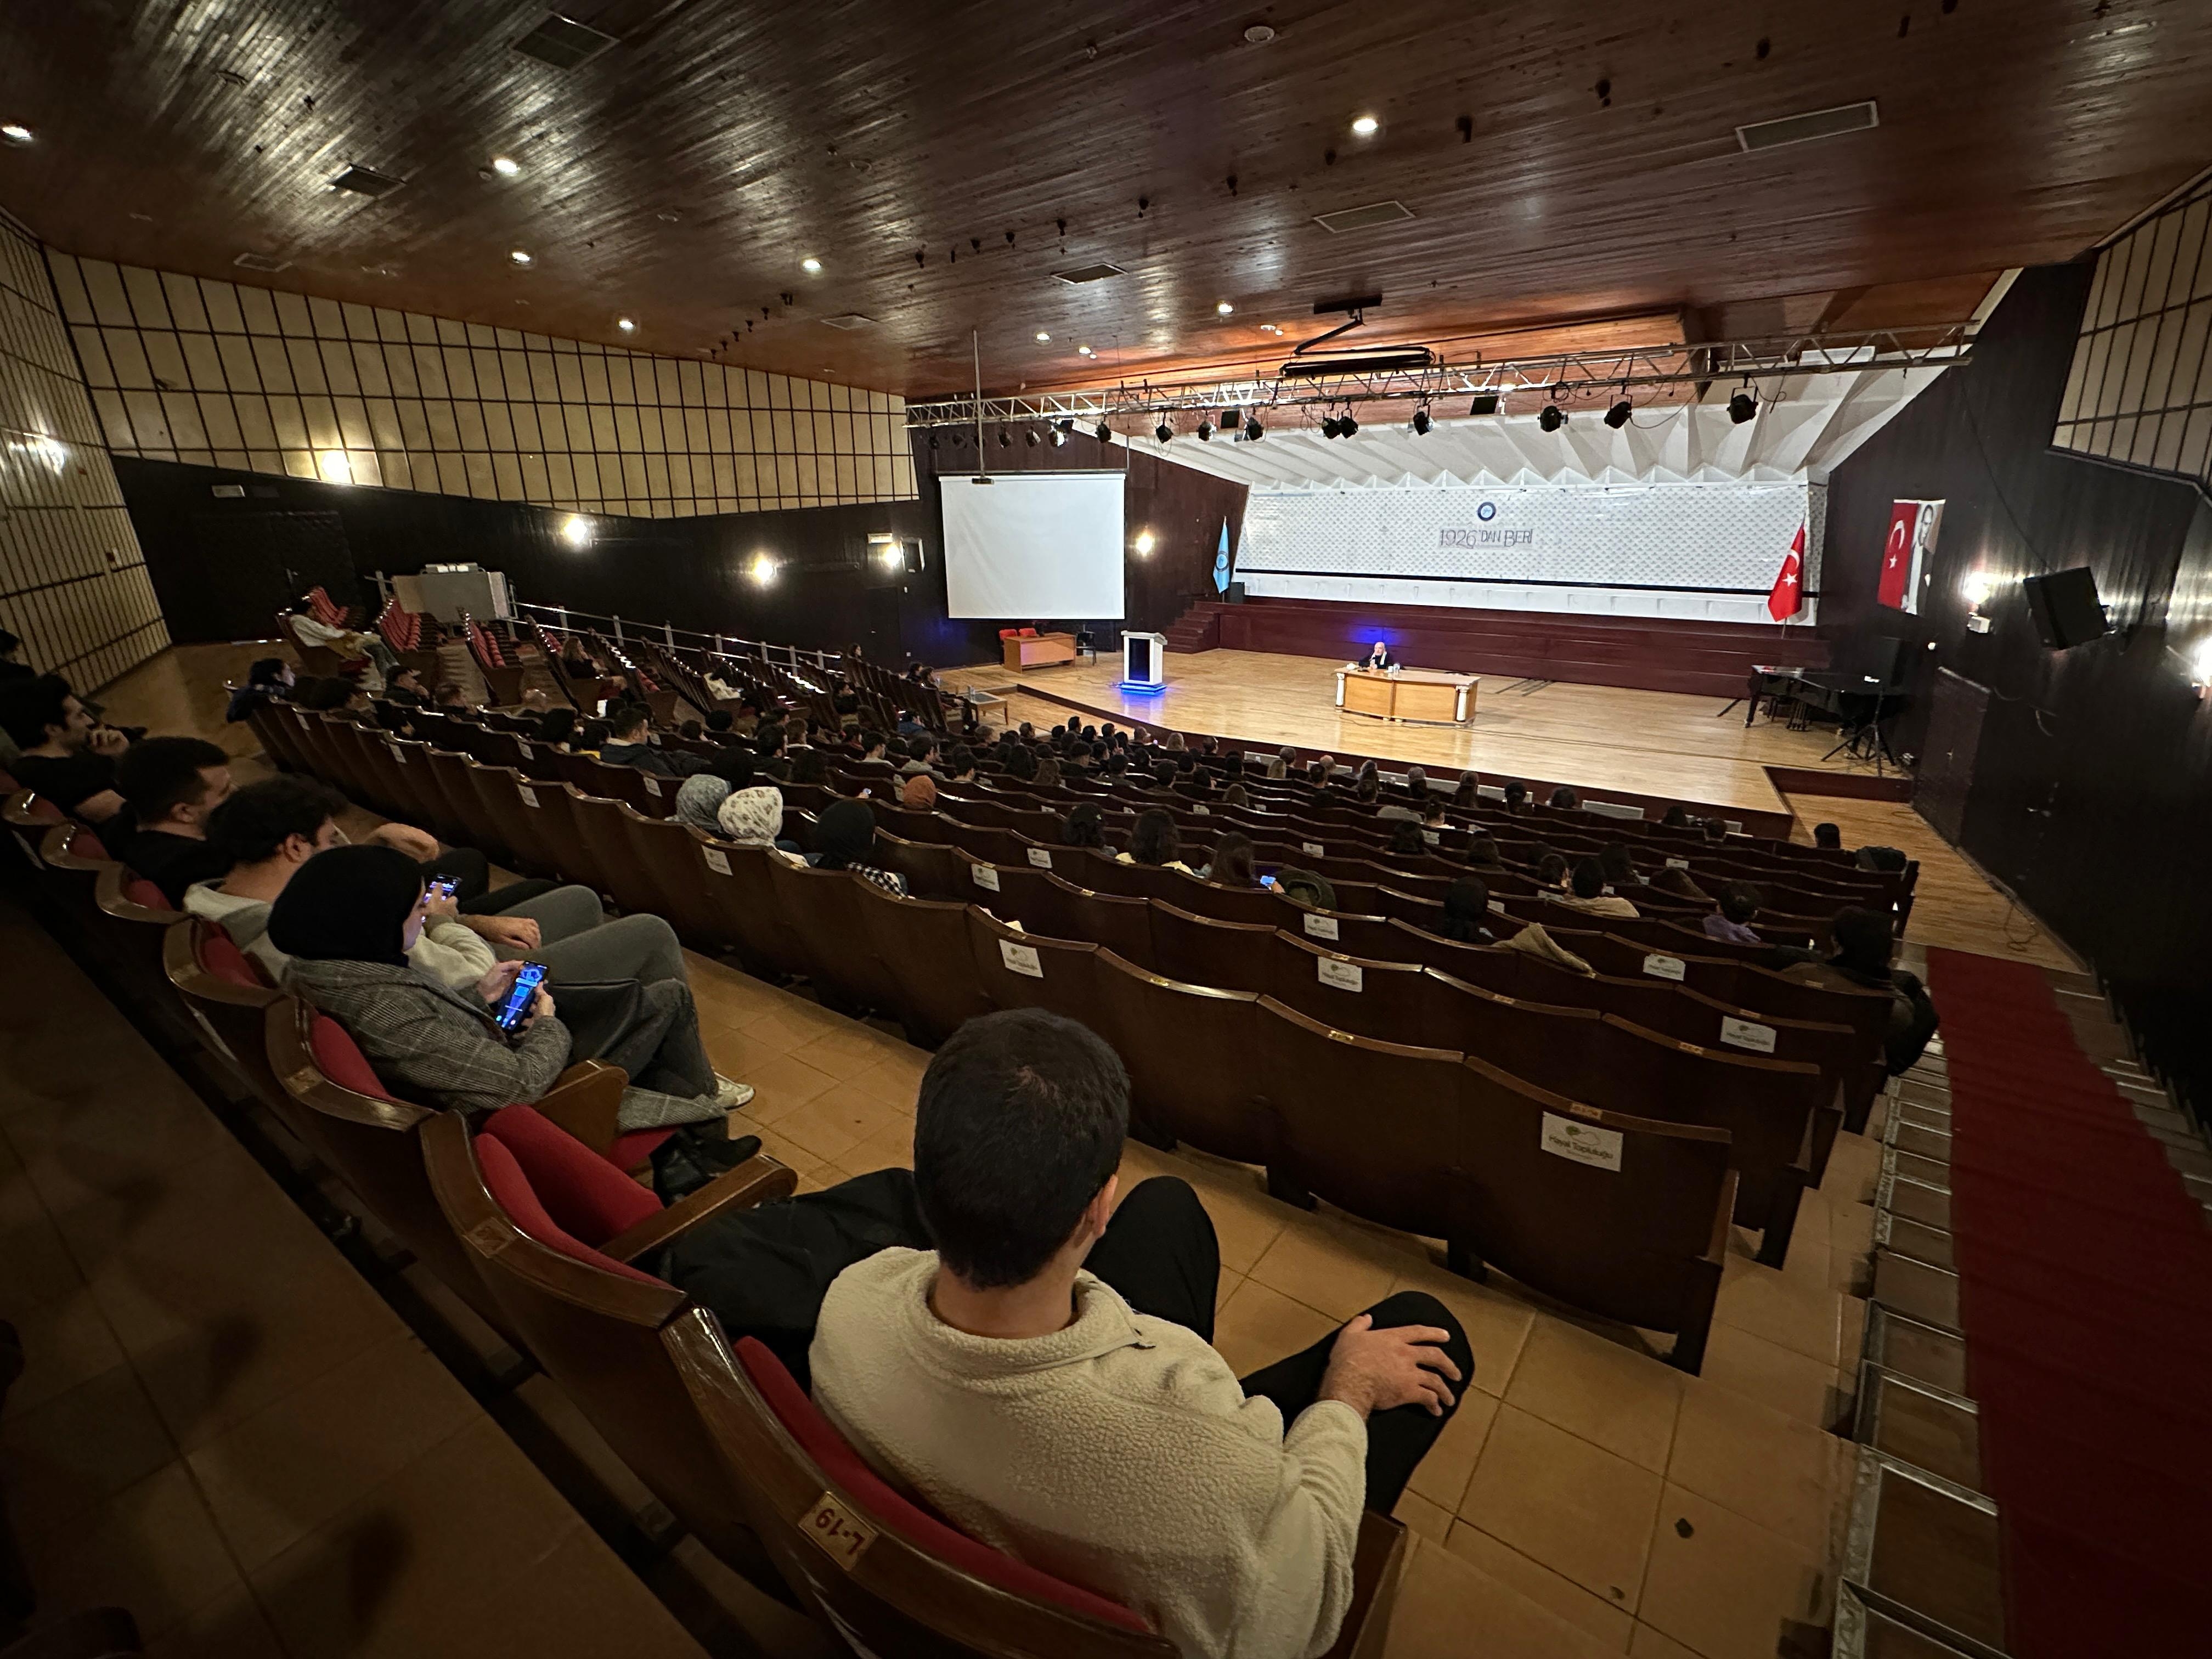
<point x="563" y="42"/>
<point x="261" y="262"/>
<point x="1098" y="273"/>
<point x="366" y="181"/>
<point x="850" y="319"/>
<point x="1361" y="218"/>
<point x="1816" y="123"/>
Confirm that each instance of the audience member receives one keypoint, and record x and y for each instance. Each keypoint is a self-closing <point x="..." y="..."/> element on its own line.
<point x="845" y="839"/>
<point x="1235" y="795"/>
<point x="921" y="756"/>
<point x="347" y="919"/>
<point x="1232" y="864"/>
<point x="1048" y="774"/>
<point x="11" y="670"/>
<point x="1828" y="836"/>
<point x="1467" y="912"/>
<point x="1620" y="866"/>
<point x="268" y="680"/>
<point x="557" y="728"/>
<point x="1050" y="1336"/>
<point x="699" y="800"/>
<point x="171" y="785"/>
<point x="810" y="765"/>
<point x="960" y="762"/>
<point x="1739" y="903"/>
<point x="630" y="731"/>
<point x="351" y="644"/>
<point x="718" y="722"/>
<point x="404" y="687"/>
<point x="1467" y="794"/>
<point x="1406" y="841"/>
<point x="535" y="701"/>
<point x="1280" y="767"/>
<point x="752" y="816"/>
<point x="918" y="792"/>
<point x="1677" y="817"/>
<point x="1863" y="946"/>
<point x="1551" y="869"/>
<point x="1717" y="830"/>
<point x="1154" y="841"/>
<point x="1516" y="796"/>
<point x="1586" y="892"/>
<point x="451" y="698"/>
<point x="1308" y="887"/>
<point x="1083" y="826"/>
<point x="1565" y="799"/>
<point x="60" y="753"/>
<point x="1482" y="852"/>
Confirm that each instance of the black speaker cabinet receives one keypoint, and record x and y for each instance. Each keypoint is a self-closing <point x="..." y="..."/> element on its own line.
<point x="1236" y="594"/>
<point x="2065" y="608"/>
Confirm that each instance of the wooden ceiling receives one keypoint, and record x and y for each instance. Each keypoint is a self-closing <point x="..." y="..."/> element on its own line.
<point x="942" y="159"/>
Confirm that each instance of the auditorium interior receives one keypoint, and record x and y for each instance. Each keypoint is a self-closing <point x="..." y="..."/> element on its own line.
<point x="1570" y="646"/>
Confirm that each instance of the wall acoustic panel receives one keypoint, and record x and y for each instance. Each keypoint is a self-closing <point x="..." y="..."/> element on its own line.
<point x="2140" y="388"/>
<point x="217" y="373"/>
<point x="1707" y="552"/>
<point x="73" y="584"/>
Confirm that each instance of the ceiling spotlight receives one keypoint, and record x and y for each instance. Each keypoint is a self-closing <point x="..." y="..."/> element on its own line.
<point x="1331" y="426"/>
<point x="16" y="133"/>
<point x="1030" y="437"/>
<point x="1617" y="417"/>
<point x="1059" y="437"/>
<point x="625" y="324"/>
<point x="1485" y="402"/>
<point x="1103" y="432"/>
<point x="1004" y="439"/>
<point x="1364" y="126"/>
<point x="1205" y="430"/>
<point x="1042" y="334"/>
<point x="1348" y="425"/>
<point x="812" y="267"/>
<point x="1084" y="351"/>
<point x="520" y="257"/>
<point x="1552" y="418"/>
<point x="1067" y="428"/>
<point x="1421" y="422"/>
<point x="1144" y="542"/>
<point x="1253" y="431"/>
<point x="1742" y="407"/>
<point x="576" y="531"/>
<point x="762" y="571"/>
<point x="506" y="166"/>
<point x="1163" y="432"/>
<point x="1222" y="307"/>
<point x="335" y="466"/>
<point x="932" y="440"/>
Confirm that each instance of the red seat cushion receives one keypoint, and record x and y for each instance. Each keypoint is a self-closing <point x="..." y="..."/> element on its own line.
<point x="635" y="1148"/>
<point x="1028" y="633"/>
<point x="87" y="845"/>
<point x="585" y="1195"/>
<point x="339" y="1059"/>
<point x="142" y="892"/>
<point x="839" y="1463"/>
<point x="510" y="1188"/>
<point x="220" y="957"/>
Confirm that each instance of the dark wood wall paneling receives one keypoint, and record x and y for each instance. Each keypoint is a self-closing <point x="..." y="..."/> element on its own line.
<point x="1181" y="507"/>
<point x="692" y="572"/>
<point x="2091" y="792"/>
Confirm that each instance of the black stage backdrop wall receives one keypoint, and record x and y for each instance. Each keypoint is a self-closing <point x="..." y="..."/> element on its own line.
<point x="2091" y="783"/>
<point x="223" y="565"/>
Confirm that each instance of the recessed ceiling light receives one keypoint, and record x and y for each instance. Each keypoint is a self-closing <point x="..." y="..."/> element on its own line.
<point x="1269" y="328"/>
<point x="1042" y="334"/>
<point x="506" y="166"/>
<point x="15" y="133"/>
<point x="520" y="257"/>
<point x="1364" y="126"/>
<point x="1222" y="308"/>
<point x="625" y="325"/>
<point x="811" y="266"/>
<point x="1084" y="351"/>
<point x="1259" y="34"/>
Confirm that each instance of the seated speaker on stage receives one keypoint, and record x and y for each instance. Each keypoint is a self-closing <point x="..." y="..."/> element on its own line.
<point x="1379" y="657"/>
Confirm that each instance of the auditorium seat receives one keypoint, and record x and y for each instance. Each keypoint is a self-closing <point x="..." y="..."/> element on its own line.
<point x="1200" y="950"/>
<point x="229" y="997"/>
<point x="923" y="946"/>
<point x="601" y="826"/>
<point x="823" y="909"/>
<point x="1021" y="969"/>
<point x="554" y="1237"/>
<point x="893" y="1578"/>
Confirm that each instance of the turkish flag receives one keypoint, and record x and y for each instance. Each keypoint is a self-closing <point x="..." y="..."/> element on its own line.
<point x="1898" y="560"/>
<point x="1787" y="597"/>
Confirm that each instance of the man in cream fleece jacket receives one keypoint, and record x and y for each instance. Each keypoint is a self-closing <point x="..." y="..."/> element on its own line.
<point x="1045" y="1377"/>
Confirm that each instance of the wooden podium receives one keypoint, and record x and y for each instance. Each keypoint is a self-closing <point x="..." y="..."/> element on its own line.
<point x="1027" y="651"/>
<point x="1423" y="695"/>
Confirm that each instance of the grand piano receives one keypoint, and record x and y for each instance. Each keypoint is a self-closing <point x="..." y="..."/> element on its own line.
<point x="1862" y="704"/>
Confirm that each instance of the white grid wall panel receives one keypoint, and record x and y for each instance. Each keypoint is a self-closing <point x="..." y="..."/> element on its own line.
<point x="218" y="373"/>
<point x="73" y="582"/>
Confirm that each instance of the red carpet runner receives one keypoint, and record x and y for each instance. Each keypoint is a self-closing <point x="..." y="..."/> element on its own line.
<point x="2085" y="1295"/>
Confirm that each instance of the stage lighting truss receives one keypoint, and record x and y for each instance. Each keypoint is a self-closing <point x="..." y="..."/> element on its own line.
<point x="1522" y="386"/>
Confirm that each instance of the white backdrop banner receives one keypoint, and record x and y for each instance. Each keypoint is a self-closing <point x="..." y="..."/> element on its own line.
<point x="1706" y="552"/>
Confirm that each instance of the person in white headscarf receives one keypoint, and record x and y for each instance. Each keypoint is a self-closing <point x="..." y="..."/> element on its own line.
<point x="752" y="817"/>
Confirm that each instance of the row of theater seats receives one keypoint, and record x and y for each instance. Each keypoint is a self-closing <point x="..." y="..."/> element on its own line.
<point x="532" y="1217"/>
<point x="1371" y="1099"/>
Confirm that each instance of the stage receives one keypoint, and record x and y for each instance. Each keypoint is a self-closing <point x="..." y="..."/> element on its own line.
<point x="1649" y="743"/>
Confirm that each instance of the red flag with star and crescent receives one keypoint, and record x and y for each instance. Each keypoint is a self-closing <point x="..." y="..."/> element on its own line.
<point x="1899" y="561"/>
<point x="1787" y="597"/>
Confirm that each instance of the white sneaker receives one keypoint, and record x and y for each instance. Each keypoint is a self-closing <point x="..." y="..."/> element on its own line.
<point x="730" y="1094"/>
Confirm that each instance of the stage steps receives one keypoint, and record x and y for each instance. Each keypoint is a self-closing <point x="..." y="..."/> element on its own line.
<point x="1199" y="628"/>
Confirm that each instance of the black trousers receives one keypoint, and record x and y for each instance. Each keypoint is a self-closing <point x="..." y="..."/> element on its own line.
<point x="472" y="887"/>
<point x="1160" y="1252"/>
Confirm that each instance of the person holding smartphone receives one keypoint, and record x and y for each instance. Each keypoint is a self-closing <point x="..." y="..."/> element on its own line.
<point x="348" y="919"/>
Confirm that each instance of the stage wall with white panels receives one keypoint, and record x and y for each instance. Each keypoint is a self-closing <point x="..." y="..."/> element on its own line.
<point x="1702" y="552"/>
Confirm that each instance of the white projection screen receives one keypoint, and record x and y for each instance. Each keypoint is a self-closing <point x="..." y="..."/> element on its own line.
<point x="1034" y="545"/>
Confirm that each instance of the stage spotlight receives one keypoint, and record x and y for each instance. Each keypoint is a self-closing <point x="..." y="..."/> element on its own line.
<point x="1421" y="422"/>
<point x="1205" y="430"/>
<point x="1163" y="432"/>
<point x="1030" y="437"/>
<point x="1485" y="402"/>
<point x="1552" y="418"/>
<point x="1058" y="437"/>
<point x="1331" y="426"/>
<point x="1103" y="432"/>
<point x="1617" y="417"/>
<point x="932" y="440"/>
<point x="1348" y="425"/>
<point x="1742" y="407"/>
<point x="1253" y="431"/>
<point x="1005" y="438"/>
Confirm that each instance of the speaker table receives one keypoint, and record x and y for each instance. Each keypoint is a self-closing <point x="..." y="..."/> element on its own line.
<point x="1423" y="695"/>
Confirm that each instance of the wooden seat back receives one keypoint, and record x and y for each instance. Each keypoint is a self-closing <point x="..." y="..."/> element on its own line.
<point x="1189" y="1050"/>
<point x="923" y="946"/>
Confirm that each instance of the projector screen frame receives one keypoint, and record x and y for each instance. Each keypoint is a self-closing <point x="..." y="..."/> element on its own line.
<point x="1015" y="554"/>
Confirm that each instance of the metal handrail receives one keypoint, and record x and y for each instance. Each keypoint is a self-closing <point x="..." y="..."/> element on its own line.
<point x="564" y="620"/>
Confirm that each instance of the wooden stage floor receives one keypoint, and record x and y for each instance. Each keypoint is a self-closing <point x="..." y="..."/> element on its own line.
<point x="1653" y="742"/>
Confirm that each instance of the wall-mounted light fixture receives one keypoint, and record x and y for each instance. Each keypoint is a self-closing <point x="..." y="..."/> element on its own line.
<point x="1144" y="544"/>
<point x="762" y="570"/>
